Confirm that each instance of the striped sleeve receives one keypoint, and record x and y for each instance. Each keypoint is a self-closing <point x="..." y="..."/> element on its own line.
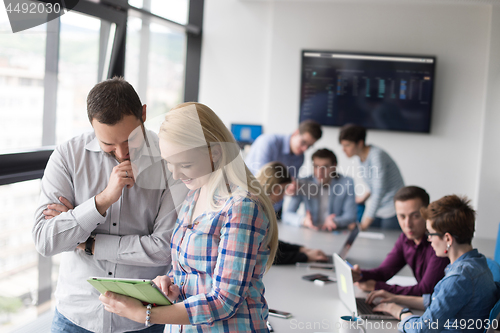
<point x="377" y="174"/>
<point x="384" y="179"/>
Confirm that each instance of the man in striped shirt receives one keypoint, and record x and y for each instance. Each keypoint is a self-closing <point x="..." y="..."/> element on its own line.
<point x="380" y="173"/>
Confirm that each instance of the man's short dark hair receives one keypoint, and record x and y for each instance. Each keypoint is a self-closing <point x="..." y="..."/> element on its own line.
<point x="325" y="153"/>
<point x="412" y="192"/>
<point x="311" y="127"/>
<point x="109" y="101"/>
<point x="353" y="133"/>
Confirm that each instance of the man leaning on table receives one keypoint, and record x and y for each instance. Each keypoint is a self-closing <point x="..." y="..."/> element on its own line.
<point x="412" y="248"/>
<point x="328" y="197"/>
<point x="106" y="207"/>
<point x="287" y="149"/>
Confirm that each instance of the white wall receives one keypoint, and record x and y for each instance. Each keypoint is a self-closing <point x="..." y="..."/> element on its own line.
<point x="488" y="187"/>
<point x="251" y="73"/>
<point x="235" y="59"/>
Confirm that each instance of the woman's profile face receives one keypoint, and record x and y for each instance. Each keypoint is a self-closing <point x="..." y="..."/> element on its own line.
<point x="191" y="165"/>
<point x="277" y="193"/>
<point x="437" y="241"/>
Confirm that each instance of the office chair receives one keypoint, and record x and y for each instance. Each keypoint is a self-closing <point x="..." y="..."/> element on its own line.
<point x="494" y="268"/>
<point x="494" y="314"/>
<point x="497" y="247"/>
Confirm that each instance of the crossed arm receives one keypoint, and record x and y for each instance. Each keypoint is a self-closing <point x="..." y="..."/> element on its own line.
<point x="61" y="225"/>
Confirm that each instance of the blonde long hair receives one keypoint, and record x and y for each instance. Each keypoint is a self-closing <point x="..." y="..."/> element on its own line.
<point x="273" y="174"/>
<point x="195" y="125"/>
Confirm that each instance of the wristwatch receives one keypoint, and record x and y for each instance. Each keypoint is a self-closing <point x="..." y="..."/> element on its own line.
<point x="88" y="245"/>
<point x="403" y="311"/>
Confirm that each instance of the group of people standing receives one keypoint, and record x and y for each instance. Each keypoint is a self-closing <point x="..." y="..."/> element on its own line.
<point x="184" y="209"/>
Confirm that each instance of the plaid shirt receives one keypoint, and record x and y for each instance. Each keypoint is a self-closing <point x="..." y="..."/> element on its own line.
<point x="218" y="261"/>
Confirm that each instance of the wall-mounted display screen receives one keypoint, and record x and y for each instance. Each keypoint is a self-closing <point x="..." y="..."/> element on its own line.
<point x="389" y="92"/>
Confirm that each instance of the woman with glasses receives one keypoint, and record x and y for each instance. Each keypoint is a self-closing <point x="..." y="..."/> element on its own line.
<point x="225" y="237"/>
<point x="462" y="300"/>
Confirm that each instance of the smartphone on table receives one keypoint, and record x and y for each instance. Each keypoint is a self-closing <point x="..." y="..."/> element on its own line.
<point x="280" y="314"/>
<point x="320" y="277"/>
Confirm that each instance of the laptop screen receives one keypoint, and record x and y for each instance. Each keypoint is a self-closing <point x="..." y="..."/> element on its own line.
<point x="345" y="284"/>
<point x="348" y="243"/>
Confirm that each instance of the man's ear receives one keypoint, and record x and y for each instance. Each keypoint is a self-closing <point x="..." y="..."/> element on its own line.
<point x="144" y="113"/>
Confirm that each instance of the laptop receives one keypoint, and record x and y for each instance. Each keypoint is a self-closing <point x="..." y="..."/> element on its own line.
<point x="356" y="306"/>
<point x="343" y="252"/>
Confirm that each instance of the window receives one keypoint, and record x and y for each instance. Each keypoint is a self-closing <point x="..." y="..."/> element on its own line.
<point x="22" y="71"/>
<point x="19" y="283"/>
<point x="158" y="73"/>
<point x="22" y="74"/>
<point x="176" y="10"/>
<point x="46" y="73"/>
<point x="78" y="70"/>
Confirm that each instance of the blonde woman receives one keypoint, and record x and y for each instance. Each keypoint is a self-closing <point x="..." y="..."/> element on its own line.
<point x="274" y="177"/>
<point x="225" y="237"/>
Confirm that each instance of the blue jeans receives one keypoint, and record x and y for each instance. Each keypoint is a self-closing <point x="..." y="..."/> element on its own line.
<point x="387" y="223"/>
<point x="61" y="324"/>
<point x="361" y="210"/>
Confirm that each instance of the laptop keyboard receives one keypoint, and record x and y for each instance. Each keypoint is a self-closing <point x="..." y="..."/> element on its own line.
<point x="365" y="308"/>
<point x="365" y="311"/>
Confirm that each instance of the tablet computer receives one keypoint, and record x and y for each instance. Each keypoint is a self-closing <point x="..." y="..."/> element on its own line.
<point x="144" y="290"/>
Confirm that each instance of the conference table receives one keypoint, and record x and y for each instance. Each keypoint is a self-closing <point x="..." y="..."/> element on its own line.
<point x="317" y="308"/>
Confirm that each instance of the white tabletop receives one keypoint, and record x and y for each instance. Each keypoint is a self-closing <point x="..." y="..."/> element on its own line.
<point x="318" y="308"/>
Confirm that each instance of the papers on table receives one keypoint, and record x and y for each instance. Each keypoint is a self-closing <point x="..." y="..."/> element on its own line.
<point x="404" y="281"/>
<point x="371" y="235"/>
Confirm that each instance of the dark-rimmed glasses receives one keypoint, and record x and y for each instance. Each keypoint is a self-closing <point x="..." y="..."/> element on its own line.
<point x="429" y="234"/>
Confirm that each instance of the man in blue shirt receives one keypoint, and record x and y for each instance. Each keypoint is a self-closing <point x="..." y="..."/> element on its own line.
<point x="287" y="149"/>
<point x="328" y="197"/>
